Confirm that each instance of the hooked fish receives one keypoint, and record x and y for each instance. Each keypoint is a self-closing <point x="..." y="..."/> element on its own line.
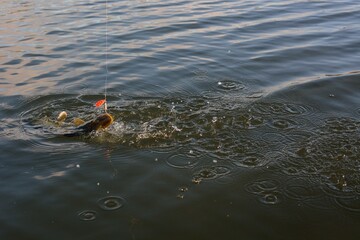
<point x="101" y="122"/>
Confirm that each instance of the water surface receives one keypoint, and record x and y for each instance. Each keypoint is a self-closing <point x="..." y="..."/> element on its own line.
<point x="233" y="119"/>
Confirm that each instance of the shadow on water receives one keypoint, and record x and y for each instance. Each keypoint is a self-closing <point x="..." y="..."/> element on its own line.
<point x="312" y="156"/>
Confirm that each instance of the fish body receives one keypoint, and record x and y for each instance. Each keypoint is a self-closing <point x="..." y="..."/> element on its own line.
<point x="101" y="122"/>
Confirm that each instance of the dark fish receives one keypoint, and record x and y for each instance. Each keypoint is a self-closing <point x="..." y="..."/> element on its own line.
<point x="101" y="122"/>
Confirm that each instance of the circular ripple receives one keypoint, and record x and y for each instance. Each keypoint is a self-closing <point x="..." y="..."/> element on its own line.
<point x="282" y="123"/>
<point x="350" y="204"/>
<point x="276" y="108"/>
<point x="251" y="160"/>
<point x="111" y="203"/>
<point x="182" y="161"/>
<point x="297" y="192"/>
<point x="298" y="109"/>
<point x="209" y="95"/>
<point x="262" y="186"/>
<point x="321" y="202"/>
<point x="210" y="172"/>
<point x="278" y="140"/>
<point x="266" y="189"/>
<point x="301" y="189"/>
<point x="87" y="215"/>
<point x="270" y="198"/>
<point x="230" y="85"/>
<point x="335" y="185"/>
<point x="299" y="136"/>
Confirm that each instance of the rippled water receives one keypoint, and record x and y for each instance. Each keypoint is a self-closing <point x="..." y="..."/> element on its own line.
<point x="233" y="119"/>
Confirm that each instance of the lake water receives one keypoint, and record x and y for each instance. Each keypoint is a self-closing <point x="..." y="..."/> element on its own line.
<point x="233" y="119"/>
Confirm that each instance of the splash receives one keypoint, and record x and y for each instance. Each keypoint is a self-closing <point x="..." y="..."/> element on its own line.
<point x="215" y="138"/>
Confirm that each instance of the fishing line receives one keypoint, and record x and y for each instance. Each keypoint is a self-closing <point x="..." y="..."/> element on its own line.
<point x="106" y="53"/>
<point x="104" y="101"/>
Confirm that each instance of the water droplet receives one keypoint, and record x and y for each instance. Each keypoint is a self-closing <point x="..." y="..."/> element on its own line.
<point x="87" y="215"/>
<point x="180" y="196"/>
<point x="196" y="180"/>
<point x="111" y="203"/>
<point x="183" y="189"/>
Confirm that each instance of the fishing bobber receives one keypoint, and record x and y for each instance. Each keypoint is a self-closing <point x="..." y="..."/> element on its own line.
<point x="100" y="103"/>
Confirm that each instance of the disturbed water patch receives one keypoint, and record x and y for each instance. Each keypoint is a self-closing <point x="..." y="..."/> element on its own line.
<point x="330" y="158"/>
<point x="215" y="138"/>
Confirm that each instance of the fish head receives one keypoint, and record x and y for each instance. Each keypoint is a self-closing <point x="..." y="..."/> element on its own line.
<point x="104" y="120"/>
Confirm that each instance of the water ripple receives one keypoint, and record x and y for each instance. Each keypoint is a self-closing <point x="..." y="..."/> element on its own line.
<point x="283" y="124"/>
<point x="267" y="190"/>
<point x="280" y="109"/>
<point x="111" y="203"/>
<point x="87" y="215"/>
<point x="330" y="157"/>
<point x="182" y="161"/>
<point x="210" y="172"/>
<point x="229" y="85"/>
<point x="350" y="204"/>
<point x="192" y="80"/>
